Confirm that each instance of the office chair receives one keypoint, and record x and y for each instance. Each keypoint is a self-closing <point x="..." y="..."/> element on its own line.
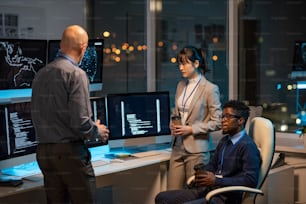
<point x="262" y="132"/>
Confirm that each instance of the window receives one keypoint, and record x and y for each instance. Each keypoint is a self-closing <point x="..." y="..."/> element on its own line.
<point x="8" y="25"/>
<point x="123" y="26"/>
<point x="267" y="42"/>
<point x="198" y="23"/>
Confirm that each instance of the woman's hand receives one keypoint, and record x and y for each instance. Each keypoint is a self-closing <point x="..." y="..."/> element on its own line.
<point x="180" y="130"/>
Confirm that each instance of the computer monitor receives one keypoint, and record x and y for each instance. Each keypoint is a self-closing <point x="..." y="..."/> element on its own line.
<point x="20" y="60"/>
<point x="17" y="135"/>
<point x="138" y="119"/>
<point x="92" y="62"/>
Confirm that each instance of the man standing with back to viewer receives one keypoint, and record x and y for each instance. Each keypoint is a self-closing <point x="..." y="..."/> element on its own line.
<point x="236" y="162"/>
<point x="61" y="114"/>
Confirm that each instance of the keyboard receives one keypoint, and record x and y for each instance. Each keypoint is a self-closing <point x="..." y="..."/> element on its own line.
<point x="100" y="163"/>
<point x="23" y="170"/>
<point x="168" y="149"/>
<point x="146" y="154"/>
<point x="10" y="180"/>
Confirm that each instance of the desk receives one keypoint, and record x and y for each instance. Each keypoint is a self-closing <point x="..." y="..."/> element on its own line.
<point x="290" y="142"/>
<point x="294" y="147"/>
<point x="132" y="181"/>
<point x="278" y="187"/>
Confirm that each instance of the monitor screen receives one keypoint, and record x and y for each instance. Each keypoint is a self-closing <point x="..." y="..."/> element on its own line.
<point x="92" y="62"/>
<point x="17" y="134"/>
<point x="98" y="112"/>
<point x="20" y="59"/>
<point x="299" y="57"/>
<point x="133" y="115"/>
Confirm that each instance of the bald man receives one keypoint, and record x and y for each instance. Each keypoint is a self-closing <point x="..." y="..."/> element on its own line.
<point x="61" y="114"/>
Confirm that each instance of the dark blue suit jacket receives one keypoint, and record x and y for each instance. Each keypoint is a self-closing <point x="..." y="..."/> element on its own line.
<point x="241" y="164"/>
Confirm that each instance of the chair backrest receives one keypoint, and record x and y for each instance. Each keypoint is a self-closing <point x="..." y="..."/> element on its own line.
<point x="263" y="134"/>
<point x="255" y="111"/>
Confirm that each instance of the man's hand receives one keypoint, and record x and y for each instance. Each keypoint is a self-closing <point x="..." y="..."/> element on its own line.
<point x="205" y="179"/>
<point x="104" y="130"/>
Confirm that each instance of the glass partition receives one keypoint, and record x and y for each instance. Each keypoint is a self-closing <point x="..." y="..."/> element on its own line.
<point x="270" y="54"/>
<point x="122" y="24"/>
<point x="202" y="24"/>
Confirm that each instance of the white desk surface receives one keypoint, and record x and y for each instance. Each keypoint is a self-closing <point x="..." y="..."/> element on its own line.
<point x="36" y="182"/>
<point x="298" y="149"/>
<point x="28" y="185"/>
<point x="289" y="142"/>
<point x="116" y="166"/>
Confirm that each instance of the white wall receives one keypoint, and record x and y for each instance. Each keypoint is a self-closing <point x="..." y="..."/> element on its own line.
<point x="47" y="18"/>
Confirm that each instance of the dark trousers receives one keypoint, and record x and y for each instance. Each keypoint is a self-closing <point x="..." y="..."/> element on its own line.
<point x="185" y="196"/>
<point x="68" y="173"/>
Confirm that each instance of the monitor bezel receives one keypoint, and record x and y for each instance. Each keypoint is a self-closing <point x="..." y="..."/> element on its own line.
<point x="140" y="136"/>
<point x="93" y="86"/>
<point x="43" y="45"/>
<point x="27" y="150"/>
<point x="97" y="143"/>
<point x="20" y="94"/>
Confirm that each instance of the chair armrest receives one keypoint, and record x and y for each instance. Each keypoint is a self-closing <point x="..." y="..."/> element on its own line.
<point x="232" y="188"/>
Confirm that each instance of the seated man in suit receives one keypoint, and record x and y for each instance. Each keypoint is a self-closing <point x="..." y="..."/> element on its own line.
<point x="236" y="161"/>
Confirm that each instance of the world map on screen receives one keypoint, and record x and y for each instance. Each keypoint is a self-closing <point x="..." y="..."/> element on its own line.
<point x="19" y="64"/>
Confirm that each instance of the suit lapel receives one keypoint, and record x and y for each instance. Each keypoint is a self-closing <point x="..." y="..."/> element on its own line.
<point x="197" y="96"/>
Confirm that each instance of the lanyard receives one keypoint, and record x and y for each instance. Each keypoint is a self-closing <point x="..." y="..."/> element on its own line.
<point x="194" y="88"/>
